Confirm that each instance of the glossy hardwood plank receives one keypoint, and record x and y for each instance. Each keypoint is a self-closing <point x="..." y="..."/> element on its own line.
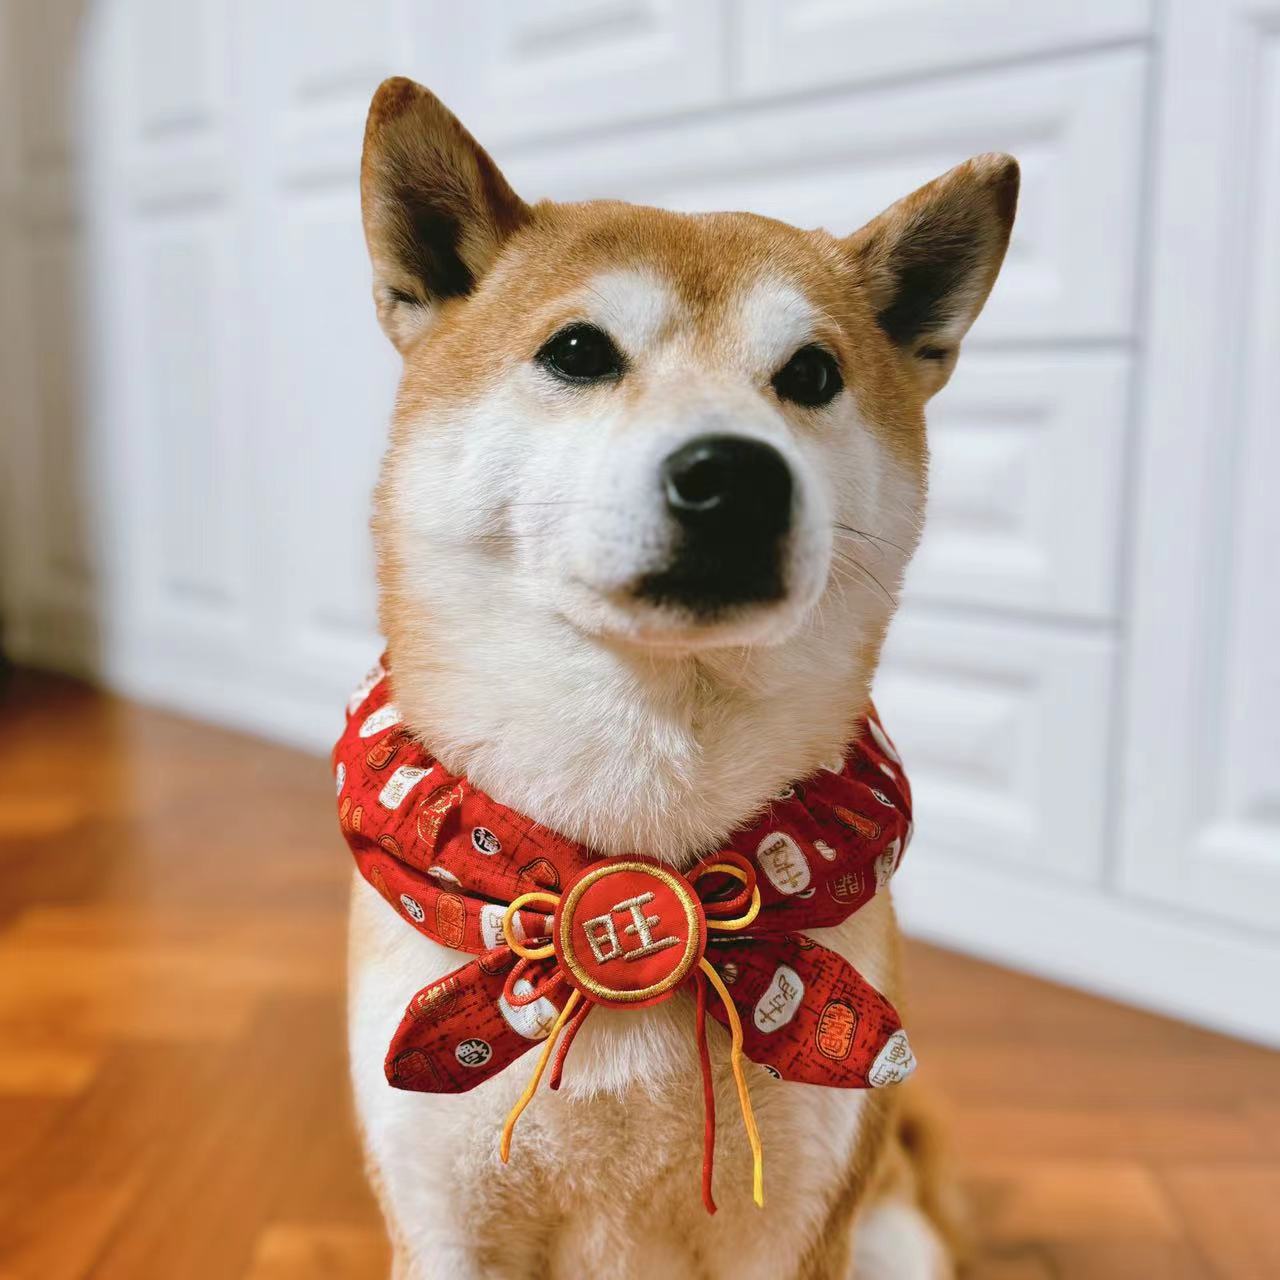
<point x="1230" y="1211"/>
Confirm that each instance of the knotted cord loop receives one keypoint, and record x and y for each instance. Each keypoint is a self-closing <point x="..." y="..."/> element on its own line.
<point x="543" y="986"/>
<point x="739" y="871"/>
<point x="508" y="929"/>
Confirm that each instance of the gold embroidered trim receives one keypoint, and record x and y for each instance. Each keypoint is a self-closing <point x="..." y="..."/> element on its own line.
<point x="688" y="900"/>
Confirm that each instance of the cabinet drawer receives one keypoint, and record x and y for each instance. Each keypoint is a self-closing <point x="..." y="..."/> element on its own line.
<point x="794" y="45"/>
<point x="1076" y="126"/>
<point x="513" y="70"/>
<point x="1024" y="494"/>
<point x="1004" y="730"/>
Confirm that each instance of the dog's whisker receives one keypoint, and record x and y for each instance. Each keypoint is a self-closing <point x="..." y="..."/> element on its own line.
<point x="869" y="537"/>
<point x="868" y="579"/>
<point x="540" y="502"/>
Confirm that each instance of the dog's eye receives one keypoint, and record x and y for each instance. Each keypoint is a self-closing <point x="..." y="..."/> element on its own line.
<point x="811" y="378"/>
<point x="581" y="353"/>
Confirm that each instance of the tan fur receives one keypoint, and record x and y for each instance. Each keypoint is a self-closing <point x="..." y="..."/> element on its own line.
<point x="919" y="1138"/>
<point x="660" y="745"/>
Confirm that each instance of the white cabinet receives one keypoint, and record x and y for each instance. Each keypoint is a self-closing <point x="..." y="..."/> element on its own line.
<point x="1085" y="676"/>
<point x="1201" y="822"/>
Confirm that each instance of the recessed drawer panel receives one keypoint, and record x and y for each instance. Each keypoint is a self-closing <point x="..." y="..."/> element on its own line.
<point x="1076" y="127"/>
<point x="1024" y="497"/>
<point x="511" y="69"/>
<point x="1004" y="731"/>
<point x="793" y="45"/>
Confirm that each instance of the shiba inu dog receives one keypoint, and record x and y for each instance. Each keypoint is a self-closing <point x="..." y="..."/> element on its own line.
<point x="652" y="483"/>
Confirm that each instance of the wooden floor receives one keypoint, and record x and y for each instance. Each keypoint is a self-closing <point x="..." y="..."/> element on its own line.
<point x="172" y="1093"/>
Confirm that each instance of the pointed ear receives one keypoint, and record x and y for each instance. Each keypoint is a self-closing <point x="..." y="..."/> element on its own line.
<point x="929" y="261"/>
<point x="436" y="208"/>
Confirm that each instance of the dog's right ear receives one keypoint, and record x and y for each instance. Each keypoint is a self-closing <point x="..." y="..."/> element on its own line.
<point x="436" y="208"/>
<point x="929" y="261"/>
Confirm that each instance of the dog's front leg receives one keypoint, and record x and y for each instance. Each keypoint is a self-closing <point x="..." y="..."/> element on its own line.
<point x="404" y="1268"/>
<point x="442" y="1260"/>
<point x="441" y="1210"/>
<point x="431" y="1159"/>
<point x="431" y="1238"/>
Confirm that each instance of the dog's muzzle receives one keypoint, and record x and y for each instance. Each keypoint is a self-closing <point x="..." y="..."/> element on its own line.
<point x="730" y="498"/>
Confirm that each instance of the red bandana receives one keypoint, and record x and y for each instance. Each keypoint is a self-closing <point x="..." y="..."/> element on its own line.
<point x="557" y="930"/>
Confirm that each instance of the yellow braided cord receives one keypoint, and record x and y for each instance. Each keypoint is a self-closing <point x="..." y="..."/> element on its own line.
<point x="737" y="922"/>
<point x="508" y="932"/>
<point x="744" y="1098"/>
<point x="504" y="1149"/>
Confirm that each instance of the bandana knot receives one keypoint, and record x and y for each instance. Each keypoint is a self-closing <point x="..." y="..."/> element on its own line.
<point x="557" y="931"/>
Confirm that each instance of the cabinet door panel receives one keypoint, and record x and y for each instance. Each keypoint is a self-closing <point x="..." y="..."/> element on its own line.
<point x="512" y="70"/>
<point x="1025" y="485"/>
<point x="1004" y="731"/>
<point x="1202" y="813"/>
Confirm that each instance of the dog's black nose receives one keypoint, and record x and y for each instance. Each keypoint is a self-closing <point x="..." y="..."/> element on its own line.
<point x="729" y="485"/>
<point x="730" y="497"/>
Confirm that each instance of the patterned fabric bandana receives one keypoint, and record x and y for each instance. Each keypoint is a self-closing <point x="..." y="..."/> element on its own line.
<point x="557" y="931"/>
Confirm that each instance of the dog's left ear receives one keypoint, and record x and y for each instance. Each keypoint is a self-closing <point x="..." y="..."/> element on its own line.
<point x="929" y="261"/>
<point x="436" y="208"/>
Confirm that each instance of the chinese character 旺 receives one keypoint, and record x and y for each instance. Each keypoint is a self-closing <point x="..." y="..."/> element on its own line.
<point x="602" y="933"/>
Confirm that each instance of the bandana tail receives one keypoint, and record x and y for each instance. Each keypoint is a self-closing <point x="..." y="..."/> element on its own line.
<point x="462" y="1030"/>
<point x="808" y="1015"/>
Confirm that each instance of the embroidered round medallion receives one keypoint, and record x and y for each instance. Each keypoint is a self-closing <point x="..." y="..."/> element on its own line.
<point x="628" y="932"/>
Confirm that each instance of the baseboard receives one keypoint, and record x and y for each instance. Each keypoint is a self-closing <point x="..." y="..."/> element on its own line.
<point x="299" y="708"/>
<point x="307" y="718"/>
<point x="1127" y="949"/>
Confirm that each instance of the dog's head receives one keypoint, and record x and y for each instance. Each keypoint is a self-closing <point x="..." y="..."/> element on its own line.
<point x="658" y="434"/>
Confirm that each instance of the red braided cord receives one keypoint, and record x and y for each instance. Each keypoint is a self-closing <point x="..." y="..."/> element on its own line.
<point x="708" y="1095"/>
<point x="562" y="1052"/>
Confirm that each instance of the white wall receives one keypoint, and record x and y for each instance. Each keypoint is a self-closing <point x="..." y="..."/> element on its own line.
<point x="1084" y="676"/>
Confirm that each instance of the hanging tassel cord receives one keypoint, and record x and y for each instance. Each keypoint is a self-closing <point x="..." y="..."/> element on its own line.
<point x="504" y="1148"/>
<point x="749" y="897"/>
<point x="744" y="1095"/>
<point x="708" y="1095"/>
<point x="567" y="1043"/>
<point x="571" y="1017"/>
<point x="527" y="954"/>
<point x="538" y="986"/>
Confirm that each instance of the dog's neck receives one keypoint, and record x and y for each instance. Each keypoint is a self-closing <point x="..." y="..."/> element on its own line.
<point x="625" y="751"/>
